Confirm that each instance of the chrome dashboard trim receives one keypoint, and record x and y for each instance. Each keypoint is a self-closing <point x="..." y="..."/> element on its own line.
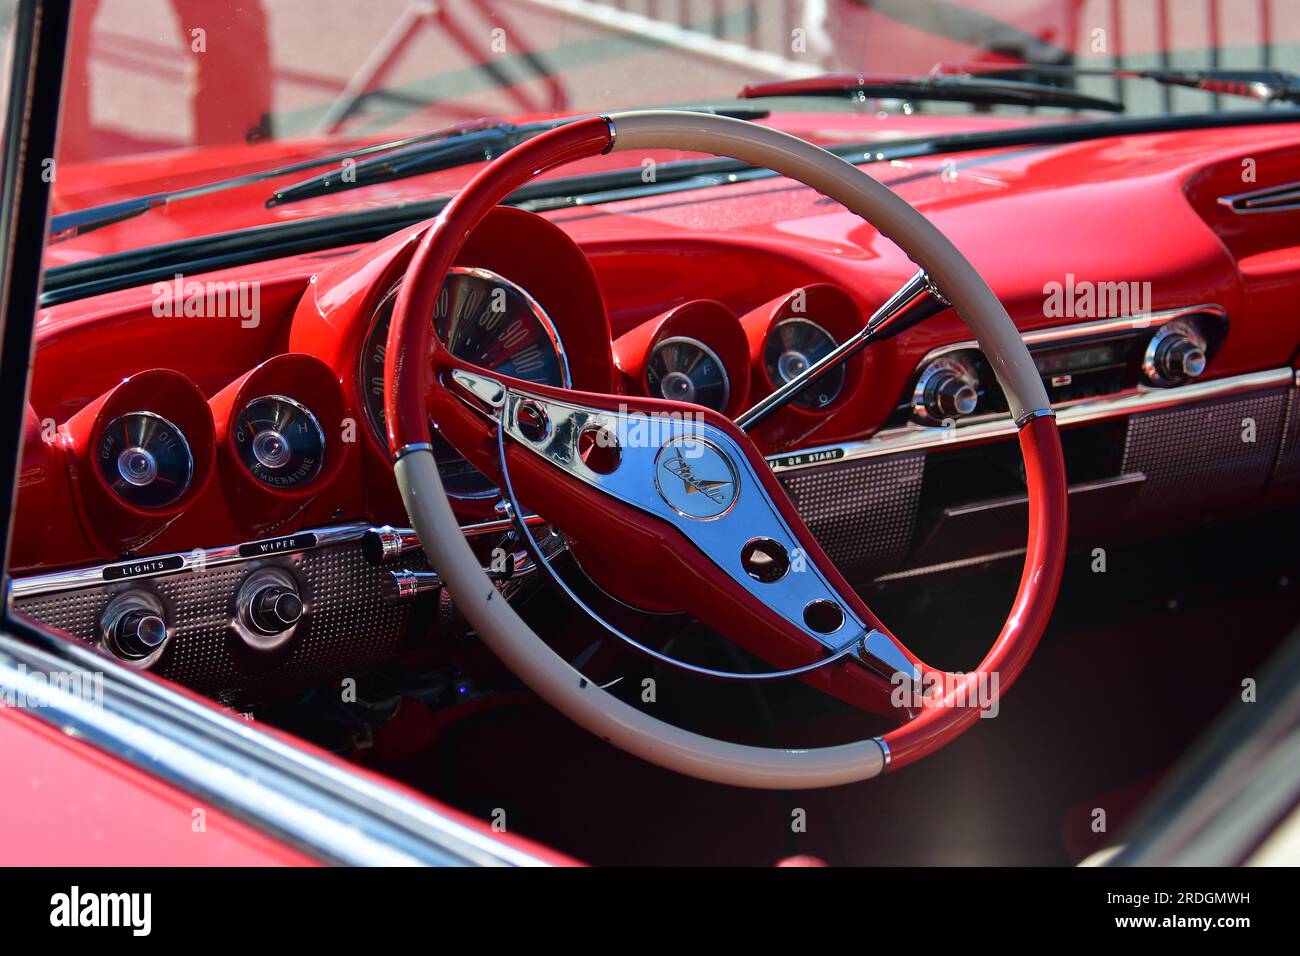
<point x="179" y="562"/>
<point x="1284" y="197"/>
<point x="918" y="438"/>
<point x="1081" y="330"/>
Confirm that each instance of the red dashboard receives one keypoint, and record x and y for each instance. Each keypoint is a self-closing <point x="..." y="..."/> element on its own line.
<point x="1146" y="287"/>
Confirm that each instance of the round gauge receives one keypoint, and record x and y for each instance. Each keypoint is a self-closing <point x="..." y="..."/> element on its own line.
<point x="791" y="347"/>
<point x="145" y="460"/>
<point x="484" y="319"/>
<point x="686" y="370"/>
<point x="279" y="441"/>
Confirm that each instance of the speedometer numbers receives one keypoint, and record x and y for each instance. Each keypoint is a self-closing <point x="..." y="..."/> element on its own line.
<point x="488" y="321"/>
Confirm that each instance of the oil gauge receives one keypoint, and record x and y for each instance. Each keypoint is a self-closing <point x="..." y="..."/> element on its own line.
<point x="279" y="441"/>
<point x="145" y="459"/>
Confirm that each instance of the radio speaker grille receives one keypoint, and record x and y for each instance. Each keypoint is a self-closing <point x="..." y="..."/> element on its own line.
<point x="1206" y="456"/>
<point x="862" y="513"/>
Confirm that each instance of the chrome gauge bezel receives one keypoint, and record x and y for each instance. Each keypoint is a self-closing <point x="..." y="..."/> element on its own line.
<point x="364" y="381"/>
<point x="315" y="424"/>
<point x="839" y="375"/>
<point x="183" y="486"/>
<point x="696" y="343"/>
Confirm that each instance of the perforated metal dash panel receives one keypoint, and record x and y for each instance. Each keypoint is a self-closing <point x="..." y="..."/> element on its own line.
<point x="347" y="626"/>
<point x="1210" y="455"/>
<point x="863" y="513"/>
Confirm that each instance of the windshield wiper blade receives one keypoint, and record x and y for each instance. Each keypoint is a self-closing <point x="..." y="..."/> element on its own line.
<point x="76" y="223"/>
<point x="1267" y="85"/>
<point x="958" y="88"/>
<point x="81" y="221"/>
<point x="461" y="149"/>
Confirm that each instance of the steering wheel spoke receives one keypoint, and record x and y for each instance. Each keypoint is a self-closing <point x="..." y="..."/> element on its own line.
<point x="691" y="470"/>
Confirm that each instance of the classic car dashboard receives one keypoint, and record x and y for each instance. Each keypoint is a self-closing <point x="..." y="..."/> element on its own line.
<point x="232" y="494"/>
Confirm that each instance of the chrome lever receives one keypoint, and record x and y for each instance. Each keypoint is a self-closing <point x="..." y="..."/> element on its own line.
<point x="917" y="300"/>
<point x="403" y="585"/>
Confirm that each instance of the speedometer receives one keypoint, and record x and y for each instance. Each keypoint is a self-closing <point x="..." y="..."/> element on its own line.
<point x="487" y="320"/>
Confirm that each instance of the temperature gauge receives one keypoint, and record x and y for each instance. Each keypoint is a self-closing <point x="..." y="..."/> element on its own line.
<point x="279" y="441"/>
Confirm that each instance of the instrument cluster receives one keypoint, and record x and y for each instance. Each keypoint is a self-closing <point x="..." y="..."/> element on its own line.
<point x="703" y="352"/>
<point x="146" y="450"/>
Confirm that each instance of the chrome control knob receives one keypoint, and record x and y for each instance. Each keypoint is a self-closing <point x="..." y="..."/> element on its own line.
<point x="1176" y="353"/>
<point x="137" y="633"/>
<point x="947" y="389"/>
<point x="1179" y="358"/>
<point x="274" y="609"/>
<point x="951" y="396"/>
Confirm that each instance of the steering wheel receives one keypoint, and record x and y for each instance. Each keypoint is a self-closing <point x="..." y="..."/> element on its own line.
<point x="672" y="505"/>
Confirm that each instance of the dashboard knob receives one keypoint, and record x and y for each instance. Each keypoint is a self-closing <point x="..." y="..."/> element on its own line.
<point x="946" y="389"/>
<point x="948" y="395"/>
<point x="953" y="396"/>
<point x="1179" y="358"/>
<point x="274" y="609"/>
<point x="138" y="633"/>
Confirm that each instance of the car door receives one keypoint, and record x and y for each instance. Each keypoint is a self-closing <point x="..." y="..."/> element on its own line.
<point x="105" y="764"/>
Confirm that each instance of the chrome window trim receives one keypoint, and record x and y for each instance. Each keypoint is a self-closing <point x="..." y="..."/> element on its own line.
<point x="324" y="810"/>
<point x="917" y="437"/>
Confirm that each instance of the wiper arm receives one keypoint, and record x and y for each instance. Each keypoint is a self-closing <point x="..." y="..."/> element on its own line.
<point x="964" y="89"/>
<point x="458" y="149"/>
<point x="69" y="224"/>
<point x="76" y="223"/>
<point x="461" y="149"/>
<point x="1267" y="85"/>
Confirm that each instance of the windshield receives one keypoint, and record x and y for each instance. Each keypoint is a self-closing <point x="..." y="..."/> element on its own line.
<point x="164" y="95"/>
